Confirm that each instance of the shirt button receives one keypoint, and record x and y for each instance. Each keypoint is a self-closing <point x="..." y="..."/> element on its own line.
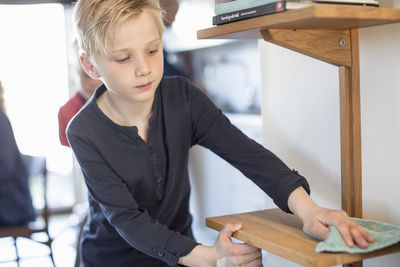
<point x="160" y="253"/>
<point x="158" y="179"/>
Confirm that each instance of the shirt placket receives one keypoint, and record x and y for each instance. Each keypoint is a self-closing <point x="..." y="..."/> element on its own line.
<point x="156" y="163"/>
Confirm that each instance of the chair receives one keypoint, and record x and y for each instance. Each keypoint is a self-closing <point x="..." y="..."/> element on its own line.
<point x="36" y="166"/>
<point x="80" y="212"/>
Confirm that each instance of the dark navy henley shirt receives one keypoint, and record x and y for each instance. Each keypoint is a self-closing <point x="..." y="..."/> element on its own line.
<point x="139" y="191"/>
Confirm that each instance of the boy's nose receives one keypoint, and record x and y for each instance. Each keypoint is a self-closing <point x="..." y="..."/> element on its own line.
<point x="142" y="67"/>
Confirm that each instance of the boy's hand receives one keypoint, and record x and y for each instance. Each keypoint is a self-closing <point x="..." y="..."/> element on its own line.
<point x="316" y="220"/>
<point x="241" y="253"/>
<point x="229" y="253"/>
<point x="316" y="224"/>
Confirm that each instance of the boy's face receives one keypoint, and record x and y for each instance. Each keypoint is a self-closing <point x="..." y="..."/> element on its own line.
<point x="133" y="67"/>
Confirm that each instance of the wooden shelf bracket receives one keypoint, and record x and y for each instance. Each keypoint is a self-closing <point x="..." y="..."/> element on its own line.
<point x="331" y="46"/>
<point x="340" y="48"/>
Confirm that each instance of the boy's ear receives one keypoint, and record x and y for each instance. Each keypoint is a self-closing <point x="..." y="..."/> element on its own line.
<point x="88" y="67"/>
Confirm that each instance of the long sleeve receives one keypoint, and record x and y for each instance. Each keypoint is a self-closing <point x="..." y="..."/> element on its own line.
<point x="213" y="130"/>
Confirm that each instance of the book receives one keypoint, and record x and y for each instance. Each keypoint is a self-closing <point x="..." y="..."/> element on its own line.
<point x="223" y="1"/>
<point x="279" y="6"/>
<point x="237" y="5"/>
<point x="274" y="7"/>
<point x="349" y="2"/>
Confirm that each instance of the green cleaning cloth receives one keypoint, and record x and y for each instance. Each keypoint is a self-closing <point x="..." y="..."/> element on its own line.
<point x="384" y="235"/>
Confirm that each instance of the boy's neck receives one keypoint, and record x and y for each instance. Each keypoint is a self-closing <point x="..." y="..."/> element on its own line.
<point x="124" y="112"/>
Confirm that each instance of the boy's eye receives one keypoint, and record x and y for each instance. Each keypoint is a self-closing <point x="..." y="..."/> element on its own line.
<point x="151" y="52"/>
<point x="122" y="59"/>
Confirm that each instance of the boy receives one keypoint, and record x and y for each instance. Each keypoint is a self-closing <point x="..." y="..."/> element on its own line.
<point x="132" y="141"/>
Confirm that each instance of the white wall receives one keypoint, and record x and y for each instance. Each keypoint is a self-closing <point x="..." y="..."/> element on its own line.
<point x="300" y="106"/>
<point x="218" y="188"/>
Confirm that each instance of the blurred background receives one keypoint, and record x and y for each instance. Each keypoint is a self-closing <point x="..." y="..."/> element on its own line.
<point x="285" y="101"/>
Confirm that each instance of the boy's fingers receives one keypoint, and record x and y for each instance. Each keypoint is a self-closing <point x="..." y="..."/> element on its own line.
<point x="357" y="236"/>
<point x="228" y="230"/>
<point x="241" y="249"/>
<point x="353" y="232"/>
<point x="255" y="263"/>
<point x="361" y="236"/>
<point x="319" y="229"/>
<point x="344" y="231"/>
<point x="252" y="257"/>
<point x="365" y="235"/>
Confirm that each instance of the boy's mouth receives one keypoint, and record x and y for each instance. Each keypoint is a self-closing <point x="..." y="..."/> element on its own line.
<point x="144" y="86"/>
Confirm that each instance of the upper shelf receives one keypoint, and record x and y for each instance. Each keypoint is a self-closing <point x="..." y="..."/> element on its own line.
<point x="337" y="17"/>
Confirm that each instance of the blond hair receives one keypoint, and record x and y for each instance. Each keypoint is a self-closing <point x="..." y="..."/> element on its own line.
<point x="96" y="19"/>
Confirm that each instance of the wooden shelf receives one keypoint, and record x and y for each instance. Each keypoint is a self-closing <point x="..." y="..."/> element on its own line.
<point x="335" y="17"/>
<point x="328" y="33"/>
<point x="281" y="234"/>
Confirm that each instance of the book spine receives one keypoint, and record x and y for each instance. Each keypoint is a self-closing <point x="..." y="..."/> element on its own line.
<point x="217" y="2"/>
<point x="239" y="5"/>
<point x="277" y="6"/>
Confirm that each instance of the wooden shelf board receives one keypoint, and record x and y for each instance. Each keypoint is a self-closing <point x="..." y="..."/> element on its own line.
<point x="335" y="17"/>
<point x="281" y="234"/>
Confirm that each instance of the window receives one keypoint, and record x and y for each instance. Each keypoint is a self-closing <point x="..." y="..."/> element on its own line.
<point x="33" y="71"/>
